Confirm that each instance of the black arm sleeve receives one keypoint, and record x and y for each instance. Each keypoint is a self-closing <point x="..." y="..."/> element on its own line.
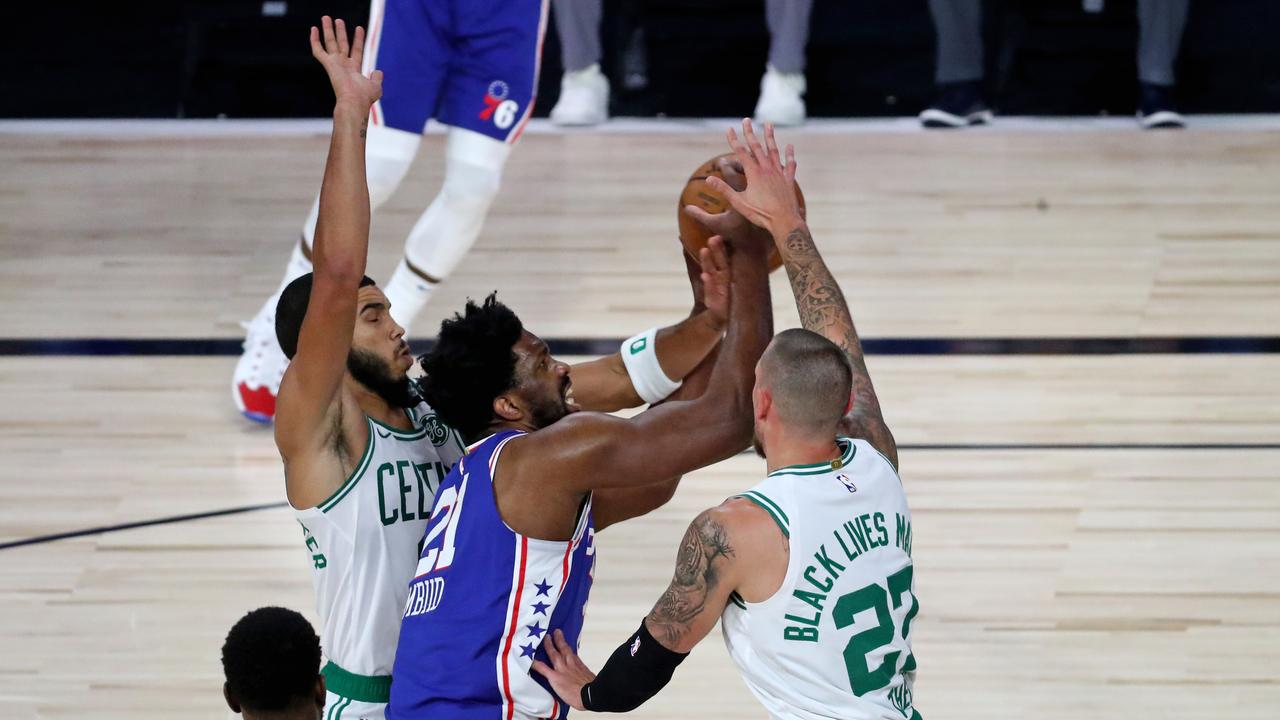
<point x="636" y="671"/>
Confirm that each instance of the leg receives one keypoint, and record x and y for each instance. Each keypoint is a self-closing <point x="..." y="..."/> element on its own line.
<point x="578" y="22"/>
<point x="783" y="86"/>
<point x="959" y="27"/>
<point x="450" y="226"/>
<point x="958" y="74"/>
<point x="486" y="101"/>
<point x="788" y="22"/>
<point x="1160" y="24"/>
<point x="584" y="90"/>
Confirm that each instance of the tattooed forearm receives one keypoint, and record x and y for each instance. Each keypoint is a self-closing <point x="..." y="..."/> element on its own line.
<point x="823" y="310"/>
<point x="696" y="576"/>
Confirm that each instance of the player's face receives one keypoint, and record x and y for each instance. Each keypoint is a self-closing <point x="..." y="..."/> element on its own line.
<point x="377" y="334"/>
<point x="544" y="384"/>
<point x="379" y="358"/>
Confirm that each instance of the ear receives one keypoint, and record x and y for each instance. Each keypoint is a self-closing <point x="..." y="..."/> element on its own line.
<point x="322" y="693"/>
<point x="762" y="400"/>
<point x="231" y="702"/>
<point x="506" y="407"/>
<point x="853" y="395"/>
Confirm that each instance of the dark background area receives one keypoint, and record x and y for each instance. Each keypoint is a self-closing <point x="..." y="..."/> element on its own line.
<point x="249" y="59"/>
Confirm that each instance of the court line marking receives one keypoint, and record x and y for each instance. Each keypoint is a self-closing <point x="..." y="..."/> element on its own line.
<point x="231" y="347"/>
<point x="988" y="447"/>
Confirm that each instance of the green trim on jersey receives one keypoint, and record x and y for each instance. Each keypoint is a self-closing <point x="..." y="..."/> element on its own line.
<point x="417" y="434"/>
<point x="362" y="688"/>
<point x="821" y="468"/>
<point x="736" y="599"/>
<point x="770" y="507"/>
<point x="350" y="482"/>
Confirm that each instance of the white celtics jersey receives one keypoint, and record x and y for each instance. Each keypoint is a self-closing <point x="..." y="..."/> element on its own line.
<point x="835" y="640"/>
<point x="363" y="540"/>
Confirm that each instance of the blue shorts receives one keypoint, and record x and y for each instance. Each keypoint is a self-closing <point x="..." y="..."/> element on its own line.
<point x="471" y="64"/>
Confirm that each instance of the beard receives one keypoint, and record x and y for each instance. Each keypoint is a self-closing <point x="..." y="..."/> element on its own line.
<point x="549" y="410"/>
<point x="375" y="374"/>
<point x="758" y="446"/>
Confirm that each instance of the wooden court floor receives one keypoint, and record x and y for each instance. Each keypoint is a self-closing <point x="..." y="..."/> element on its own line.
<point x="1095" y="535"/>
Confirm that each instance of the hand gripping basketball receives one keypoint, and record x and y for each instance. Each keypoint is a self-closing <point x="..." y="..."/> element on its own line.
<point x="343" y="62"/>
<point x="769" y="200"/>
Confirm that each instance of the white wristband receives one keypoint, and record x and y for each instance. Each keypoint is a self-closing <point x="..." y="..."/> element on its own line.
<point x="639" y="354"/>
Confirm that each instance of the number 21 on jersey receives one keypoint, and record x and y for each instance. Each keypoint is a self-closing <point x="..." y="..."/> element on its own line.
<point x="443" y="527"/>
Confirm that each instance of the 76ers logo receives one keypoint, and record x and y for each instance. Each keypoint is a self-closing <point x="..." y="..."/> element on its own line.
<point x="498" y="107"/>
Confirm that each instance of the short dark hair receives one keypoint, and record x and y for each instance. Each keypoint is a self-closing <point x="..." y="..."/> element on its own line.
<point x="810" y="379"/>
<point x="291" y="308"/>
<point x="271" y="659"/>
<point x="471" y="363"/>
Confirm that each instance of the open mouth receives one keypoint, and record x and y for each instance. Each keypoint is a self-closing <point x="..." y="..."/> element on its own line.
<point x="569" y="401"/>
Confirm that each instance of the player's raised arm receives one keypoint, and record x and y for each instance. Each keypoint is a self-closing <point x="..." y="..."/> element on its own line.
<point x="310" y="392"/>
<point x="652" y="365"/>
<point x="819" y="300"/>
<point x="676" y="437"/>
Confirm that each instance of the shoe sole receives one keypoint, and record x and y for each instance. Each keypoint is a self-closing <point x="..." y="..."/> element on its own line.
<point x="254" y="416"/>
<point x="1162" y="120"/>
<point x="935" y="118"/>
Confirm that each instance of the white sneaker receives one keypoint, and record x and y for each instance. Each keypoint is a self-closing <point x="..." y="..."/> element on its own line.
<point x="584" y="98"/>
<point x="781" y="101"/>
<point x="261" y="367"/>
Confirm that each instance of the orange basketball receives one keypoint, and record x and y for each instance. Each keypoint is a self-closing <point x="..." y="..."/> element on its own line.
<point x="697" y="193"/>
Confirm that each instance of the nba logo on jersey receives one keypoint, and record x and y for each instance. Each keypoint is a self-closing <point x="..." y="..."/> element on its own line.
<point x="848" y="484"/>
<point x="635" y="646"/>
<point x="498" y="106"/>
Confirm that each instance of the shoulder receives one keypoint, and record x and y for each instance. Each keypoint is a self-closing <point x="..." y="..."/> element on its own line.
<point x="742" y="522"/>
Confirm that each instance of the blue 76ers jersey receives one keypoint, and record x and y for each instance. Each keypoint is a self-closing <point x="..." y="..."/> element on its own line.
<point x="482" y="602"/>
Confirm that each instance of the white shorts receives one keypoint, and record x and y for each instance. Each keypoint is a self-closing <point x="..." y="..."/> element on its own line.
<point x="337" y="707"/>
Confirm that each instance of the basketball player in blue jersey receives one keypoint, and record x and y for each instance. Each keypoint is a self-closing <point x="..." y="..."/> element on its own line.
<point x="809" y="572"/>
<point x="363" y="454"/>
<point x="509" y="550"/>
<point x="470" y="64"/>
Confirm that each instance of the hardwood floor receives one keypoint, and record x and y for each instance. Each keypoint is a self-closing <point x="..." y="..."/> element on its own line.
<point x="1077" y="554"/>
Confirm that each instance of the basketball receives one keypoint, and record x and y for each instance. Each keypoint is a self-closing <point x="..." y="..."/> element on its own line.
<point x="698" y="193"/>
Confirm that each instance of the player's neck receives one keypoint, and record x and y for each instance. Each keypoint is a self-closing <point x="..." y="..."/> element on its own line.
<point x="376" y="407"/>
<point x="784" y="451"/>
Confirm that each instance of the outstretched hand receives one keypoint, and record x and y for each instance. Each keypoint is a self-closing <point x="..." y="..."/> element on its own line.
<point x="566" y="673"/>
<point x="342" y="61"/>
<point x="769" y="200"/>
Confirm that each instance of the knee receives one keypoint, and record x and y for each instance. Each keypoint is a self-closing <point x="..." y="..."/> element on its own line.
<point x="388" y="155"/>
<point x="470" y="184"/>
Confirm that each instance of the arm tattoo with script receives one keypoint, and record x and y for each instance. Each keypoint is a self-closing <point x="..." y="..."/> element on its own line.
<point x="695" y="577"/>
<point x="823" y="310"/>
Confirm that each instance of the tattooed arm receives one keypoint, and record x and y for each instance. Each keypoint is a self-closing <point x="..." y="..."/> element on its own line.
<point x="733" y="547"/>
<point x="700" y="588"/>
<point x="823" y="310"/>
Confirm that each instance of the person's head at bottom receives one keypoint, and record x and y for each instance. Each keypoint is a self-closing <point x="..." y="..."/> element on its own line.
<point x="271" y="659"/>
<point x="803" y="382"/>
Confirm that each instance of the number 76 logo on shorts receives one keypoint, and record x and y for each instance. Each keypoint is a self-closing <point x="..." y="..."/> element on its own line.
<point x="498" y="107"/>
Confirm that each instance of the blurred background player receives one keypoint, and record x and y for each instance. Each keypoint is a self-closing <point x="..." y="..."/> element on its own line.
<point x="584" y="89"/>
<point x="271" y="660"/>
<point x="811" y="569"/>
<point x="470" y="64"/>
<point x="364" y="456"/>
<point x="960" y="99"/>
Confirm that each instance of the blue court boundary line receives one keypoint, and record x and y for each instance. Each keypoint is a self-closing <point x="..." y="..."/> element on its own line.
<point x="230" y="347"/>
<point x="990" y="447"/>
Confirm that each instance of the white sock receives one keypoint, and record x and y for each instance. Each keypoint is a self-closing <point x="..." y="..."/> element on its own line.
<point x="408" y="293"/>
